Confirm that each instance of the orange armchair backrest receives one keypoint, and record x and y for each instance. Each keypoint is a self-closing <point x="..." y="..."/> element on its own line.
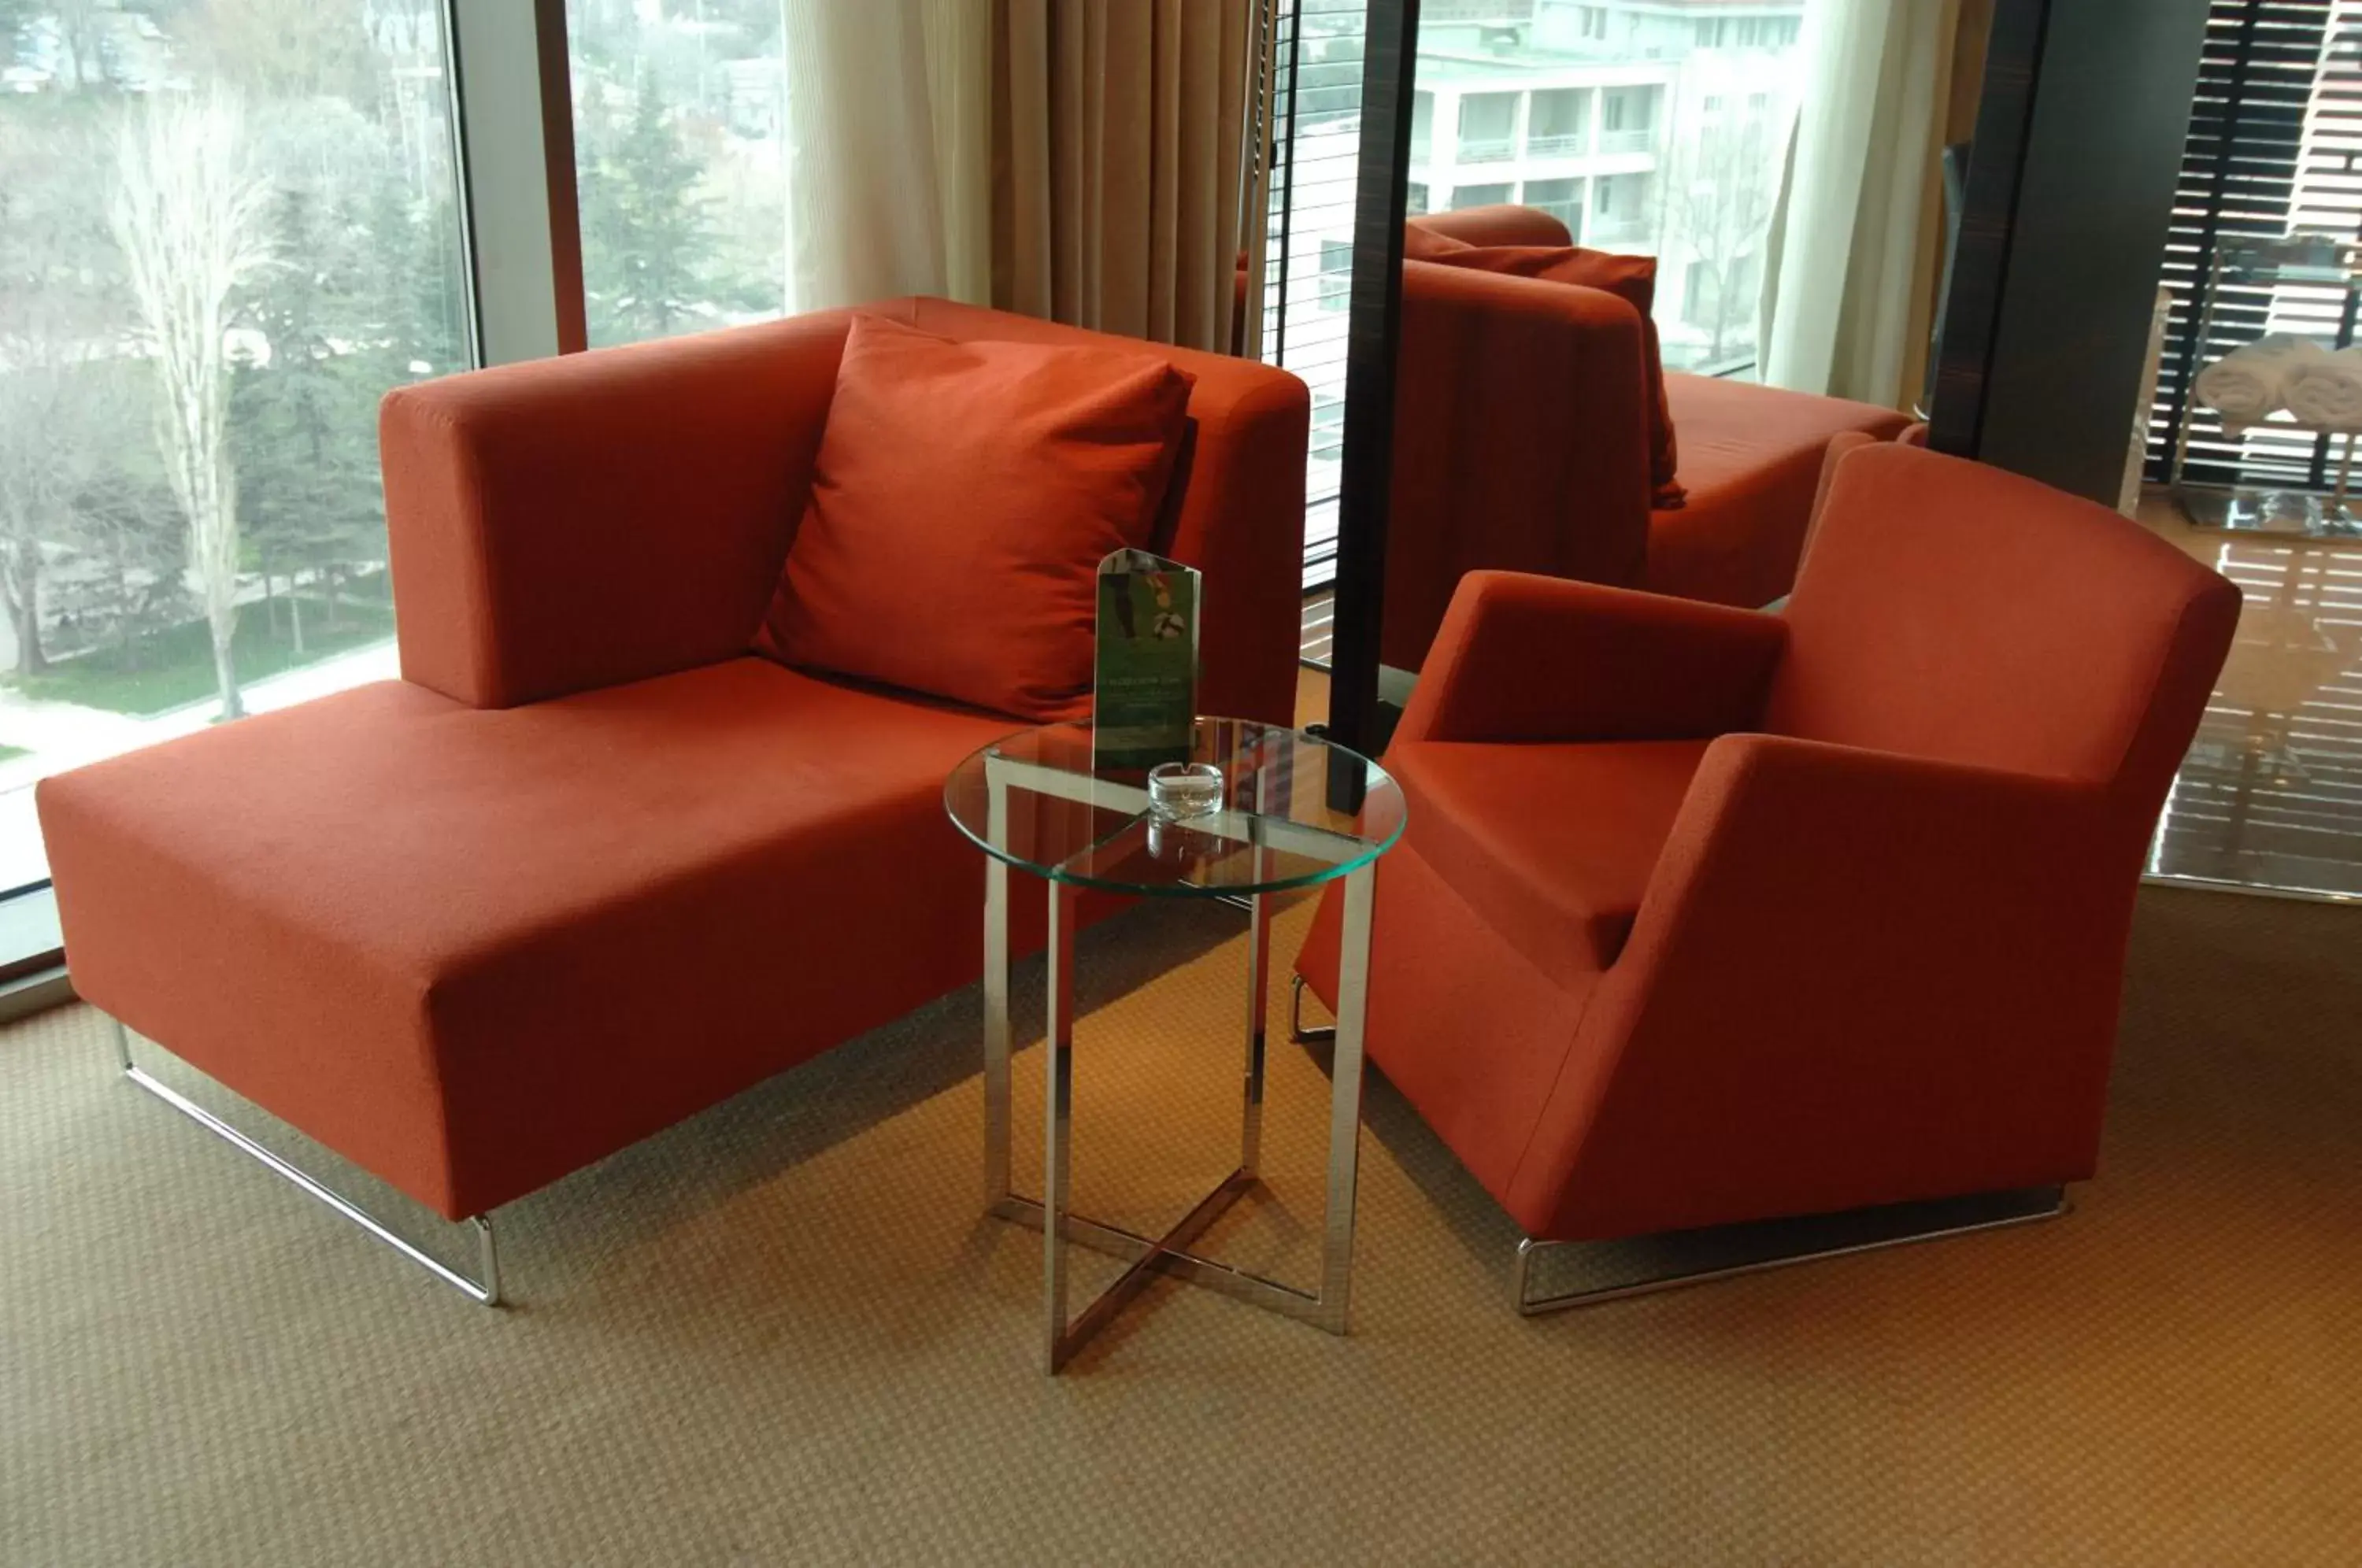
<point x="1953" y="611"/>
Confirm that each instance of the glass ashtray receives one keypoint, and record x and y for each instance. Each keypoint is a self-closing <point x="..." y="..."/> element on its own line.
<point x="1179" y="790"/>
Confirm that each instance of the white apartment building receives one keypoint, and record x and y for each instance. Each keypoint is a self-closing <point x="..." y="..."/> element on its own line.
<point x="1653" y="125"/>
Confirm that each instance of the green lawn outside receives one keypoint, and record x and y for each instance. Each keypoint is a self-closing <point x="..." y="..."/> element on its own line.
<point x="175" y="667"/>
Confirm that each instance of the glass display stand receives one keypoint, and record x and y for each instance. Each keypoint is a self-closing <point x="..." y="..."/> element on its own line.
<point x="2305" y="260"/>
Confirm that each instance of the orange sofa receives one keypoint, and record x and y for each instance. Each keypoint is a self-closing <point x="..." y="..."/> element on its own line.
<point x="1706" y="915"/>
<point x="1521" y="445"/>
<point x="588" y="868"/>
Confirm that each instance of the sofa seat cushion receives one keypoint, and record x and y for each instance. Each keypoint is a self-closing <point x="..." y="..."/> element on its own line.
<point x="1751" y="462"/>
<point x="472" y="950"/>
<point x="1562" y="886"/>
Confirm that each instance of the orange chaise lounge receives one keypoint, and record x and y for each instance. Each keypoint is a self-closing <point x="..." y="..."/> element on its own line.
<point x="1705" y="916"/>
<point x="588" y="868"/>
<point x="1523" y="444"/>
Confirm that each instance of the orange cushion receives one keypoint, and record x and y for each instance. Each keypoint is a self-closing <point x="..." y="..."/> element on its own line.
<point x="1561" y="884"/>
<point x="964" y="496"/>
<point x="1632" y="279"/>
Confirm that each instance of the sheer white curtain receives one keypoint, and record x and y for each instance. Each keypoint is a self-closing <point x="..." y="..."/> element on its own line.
<point x="889" y="162"/>
<point x="1843" y="307"/>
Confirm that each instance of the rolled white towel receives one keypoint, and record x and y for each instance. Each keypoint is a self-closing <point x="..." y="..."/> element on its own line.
<point x="2249" y="383"/>
<point x="2325" y="392"/>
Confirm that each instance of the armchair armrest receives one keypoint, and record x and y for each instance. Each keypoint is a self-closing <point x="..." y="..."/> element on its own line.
<point x="1856" y="978"/>
<point x="1536" y="658"/>
<point x="1521" y="441"/>
<point x="1843" y="826"/>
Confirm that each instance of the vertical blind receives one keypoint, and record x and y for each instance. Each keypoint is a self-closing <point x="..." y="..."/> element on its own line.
<point x="1309" y="259"/>
<point x="2275" y="134"/>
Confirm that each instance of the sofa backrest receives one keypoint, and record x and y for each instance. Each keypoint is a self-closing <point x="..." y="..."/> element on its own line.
<point x="1954" y="612"/>
<point x="600" y="518"/>
<point x="580" y="522"/>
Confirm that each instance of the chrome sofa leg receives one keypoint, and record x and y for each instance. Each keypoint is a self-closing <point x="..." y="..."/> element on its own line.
<point x="485" y="1291"/>
<point x="1296" y="1029"/>
<point x="2024" y="1207"/>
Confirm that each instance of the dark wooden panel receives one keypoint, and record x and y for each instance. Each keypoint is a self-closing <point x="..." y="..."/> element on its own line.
<point x="1988" y="207"/>
<point x="2066" y="316"/>
<point x="1367" y="463"/>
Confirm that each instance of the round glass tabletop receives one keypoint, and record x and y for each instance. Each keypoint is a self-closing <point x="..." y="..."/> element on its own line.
<point x="1294" y="811"/>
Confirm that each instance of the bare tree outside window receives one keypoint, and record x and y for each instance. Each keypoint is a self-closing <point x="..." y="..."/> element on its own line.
<point x="191" y="218"/>
<point x="226" y="227"/>
<point x="1717" y="209"/>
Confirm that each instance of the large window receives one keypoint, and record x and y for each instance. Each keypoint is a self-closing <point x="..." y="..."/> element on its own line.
<point x="226" y="227"/>
<point x="1643" y="128"/>
<point x="1595" y="113"/>
<point x="1309" y="243"/>
<point x="681" y="164"/>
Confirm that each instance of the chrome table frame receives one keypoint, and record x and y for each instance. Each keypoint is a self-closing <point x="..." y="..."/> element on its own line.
<point x="1326" y="1307"/>
<point x="484" y="1292"/>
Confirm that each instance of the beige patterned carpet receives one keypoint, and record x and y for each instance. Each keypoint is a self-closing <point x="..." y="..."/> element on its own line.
<point x="781" y="1334"/>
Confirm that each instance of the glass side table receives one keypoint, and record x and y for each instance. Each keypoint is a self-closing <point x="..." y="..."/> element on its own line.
<point x="1293" y="811"/>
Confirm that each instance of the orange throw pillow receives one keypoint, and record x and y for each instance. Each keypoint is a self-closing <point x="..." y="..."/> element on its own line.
<point x="963" y="497"/>
<point x="1632" y="279"/>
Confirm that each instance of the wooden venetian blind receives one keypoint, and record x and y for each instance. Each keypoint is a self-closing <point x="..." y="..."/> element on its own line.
<point x="2275" y="134"/>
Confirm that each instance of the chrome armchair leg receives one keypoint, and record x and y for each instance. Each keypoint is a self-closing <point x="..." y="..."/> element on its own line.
<point x="1295" y="1029"/>
<point x="1988" y="1211"/>
<point x="485" y="1291"/>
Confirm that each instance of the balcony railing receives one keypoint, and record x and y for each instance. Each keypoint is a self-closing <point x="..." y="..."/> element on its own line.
<point x="1488" y="148"/>
<point x="1571" y="145"/>
<point x="1639" y="141"/>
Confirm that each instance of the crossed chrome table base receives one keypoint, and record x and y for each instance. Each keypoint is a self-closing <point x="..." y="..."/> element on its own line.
<point x="1169" y="1254"/>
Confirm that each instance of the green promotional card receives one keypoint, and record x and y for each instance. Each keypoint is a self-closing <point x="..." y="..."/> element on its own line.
<point x="1147" y="661"/>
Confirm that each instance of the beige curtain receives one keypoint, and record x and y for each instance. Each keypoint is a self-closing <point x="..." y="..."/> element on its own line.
<point x="1964" y="91"/>
<point x="1843" y="292"/>
<point x="1117" y="140"/>
<point x="889" y="174"/>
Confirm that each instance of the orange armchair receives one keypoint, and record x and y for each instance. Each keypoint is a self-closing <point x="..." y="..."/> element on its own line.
<point x="1706" y="915"/>
<point x="1521" y="445"/>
